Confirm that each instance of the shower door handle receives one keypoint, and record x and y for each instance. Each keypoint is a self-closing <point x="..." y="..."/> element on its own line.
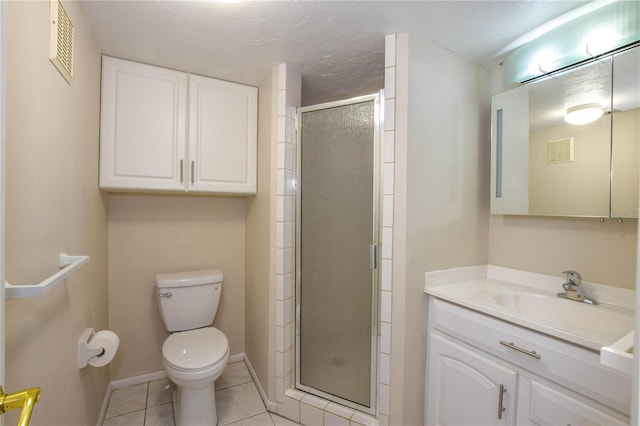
<point x="373" y="256"/>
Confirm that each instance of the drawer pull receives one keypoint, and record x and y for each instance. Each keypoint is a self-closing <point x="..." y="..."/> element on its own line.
<point x="501" y="409"/>
<point x="181" y="171"/>
<point x="532" y="354"/>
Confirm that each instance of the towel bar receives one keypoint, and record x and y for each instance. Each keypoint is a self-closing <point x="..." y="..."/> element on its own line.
<point x="67" y="263"/>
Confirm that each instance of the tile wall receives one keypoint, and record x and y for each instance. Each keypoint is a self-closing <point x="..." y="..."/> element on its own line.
<point x="288" y="101"/>
<point x="386" y="253"/>
<point x="291" y="403"/>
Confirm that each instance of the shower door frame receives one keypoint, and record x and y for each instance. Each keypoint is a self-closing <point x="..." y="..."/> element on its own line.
<point x="377" y="99"/>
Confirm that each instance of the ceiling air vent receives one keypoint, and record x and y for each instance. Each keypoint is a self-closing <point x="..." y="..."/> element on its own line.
<point x="61" y="40"/>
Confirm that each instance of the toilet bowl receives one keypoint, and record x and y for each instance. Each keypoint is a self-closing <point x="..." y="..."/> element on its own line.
<point x="195" y="354"/>
<point x="193" y="360"/>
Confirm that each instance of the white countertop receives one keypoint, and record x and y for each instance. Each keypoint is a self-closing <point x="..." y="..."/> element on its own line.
<point x="530" y="300"/>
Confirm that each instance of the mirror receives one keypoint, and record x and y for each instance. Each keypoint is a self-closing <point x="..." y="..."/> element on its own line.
<point x="625" y="133"/>
<point x="542" y="165"/>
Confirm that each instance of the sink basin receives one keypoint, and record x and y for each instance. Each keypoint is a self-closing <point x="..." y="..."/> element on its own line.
<point x="530" y="300"/>
<point x="602" y="322"/>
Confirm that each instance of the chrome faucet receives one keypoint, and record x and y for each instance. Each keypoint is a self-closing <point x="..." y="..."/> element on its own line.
<point x="573" y="289"/>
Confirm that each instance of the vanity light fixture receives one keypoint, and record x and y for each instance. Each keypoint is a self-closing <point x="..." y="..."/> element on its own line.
<point x="583" y="114"/>
<point x="602" y="40"/>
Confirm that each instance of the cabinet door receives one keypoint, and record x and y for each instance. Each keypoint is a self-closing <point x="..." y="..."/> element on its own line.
<point x="465" y="387"/>
<point x="543" y="405"/>
<point x="142" y="137"/>
<point x="222" y="136"/>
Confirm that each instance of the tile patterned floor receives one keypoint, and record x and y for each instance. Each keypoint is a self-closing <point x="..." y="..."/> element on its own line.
<point x="149" y="404"/>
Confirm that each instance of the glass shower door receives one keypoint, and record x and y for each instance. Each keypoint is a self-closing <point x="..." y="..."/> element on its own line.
<point x="336" y="253"/>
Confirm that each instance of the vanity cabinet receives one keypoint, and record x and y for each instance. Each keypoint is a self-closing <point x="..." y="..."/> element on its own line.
<point x="165" y="130"/>
<point x="486" y="371"/>
<point x="545" y="404"/>
<point x="468" y="387"/>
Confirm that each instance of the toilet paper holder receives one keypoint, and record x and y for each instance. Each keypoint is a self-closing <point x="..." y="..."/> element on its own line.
<point x="86" y="350"/>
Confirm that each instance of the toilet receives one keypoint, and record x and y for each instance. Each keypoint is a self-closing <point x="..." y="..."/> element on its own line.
<point x="195" y="354"/>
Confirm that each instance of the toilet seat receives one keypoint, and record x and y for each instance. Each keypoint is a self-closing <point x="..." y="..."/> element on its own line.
<point x="194" y="350"/>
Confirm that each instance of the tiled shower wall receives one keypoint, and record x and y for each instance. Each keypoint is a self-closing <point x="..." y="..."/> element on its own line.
<point x="386" y="253"/>
<point x="289" y="95"/>
<point x="291" y="403"/>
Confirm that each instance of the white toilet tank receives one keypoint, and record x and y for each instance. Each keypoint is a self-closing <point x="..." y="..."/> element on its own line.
<point x="188" y="300"/>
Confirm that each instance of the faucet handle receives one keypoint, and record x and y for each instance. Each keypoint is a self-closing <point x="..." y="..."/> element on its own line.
<point x="572" y="277"/>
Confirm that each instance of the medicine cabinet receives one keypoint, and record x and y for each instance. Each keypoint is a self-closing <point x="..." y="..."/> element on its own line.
<point x="542" y="165"/>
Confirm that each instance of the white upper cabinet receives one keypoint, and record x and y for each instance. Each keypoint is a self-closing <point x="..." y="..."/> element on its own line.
<point x="222" y="136"/>
<point x="142" y="129"/>
<point x="164" y="130"/>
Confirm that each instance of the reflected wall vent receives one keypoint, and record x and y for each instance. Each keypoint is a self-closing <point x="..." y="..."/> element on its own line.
<point x="560" y="151"/>
<point x="61" y="40"/>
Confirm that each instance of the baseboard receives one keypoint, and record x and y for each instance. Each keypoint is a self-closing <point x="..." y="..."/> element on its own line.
<point x="136" y="380"/>
<point x="236" y="358"/>
<point x="271" y="406"/>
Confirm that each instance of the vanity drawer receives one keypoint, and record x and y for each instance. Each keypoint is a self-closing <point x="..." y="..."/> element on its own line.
<point x="570" y="365"/>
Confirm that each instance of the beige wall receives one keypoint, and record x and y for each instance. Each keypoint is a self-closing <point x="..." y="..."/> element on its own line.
<point x="441" y="210"/>
<point x="602" y="252"/>
<point x="53" y="205"/>
<point x="150" y="234"/>
<point x="260" y="245"/>
<point x="576" y="188"/>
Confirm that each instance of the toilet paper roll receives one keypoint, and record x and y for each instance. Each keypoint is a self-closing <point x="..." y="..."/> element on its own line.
<point x="109" y="341"/>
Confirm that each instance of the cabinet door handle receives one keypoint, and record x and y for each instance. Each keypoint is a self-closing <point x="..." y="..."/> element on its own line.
<point x="193" y="165"/>
<point x="510" y="345"/>
<point x="501" y="408"/>
<point x="181" y="171"/>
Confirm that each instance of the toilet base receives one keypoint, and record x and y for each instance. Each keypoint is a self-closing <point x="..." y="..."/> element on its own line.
<point x="195" y="407"/>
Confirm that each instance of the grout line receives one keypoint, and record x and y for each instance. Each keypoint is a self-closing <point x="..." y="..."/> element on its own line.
<point x="146" y="404"/>
<point x="146" y="400"/>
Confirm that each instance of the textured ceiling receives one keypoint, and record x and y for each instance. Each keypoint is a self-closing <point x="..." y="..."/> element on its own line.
<point x="337" y="46"/>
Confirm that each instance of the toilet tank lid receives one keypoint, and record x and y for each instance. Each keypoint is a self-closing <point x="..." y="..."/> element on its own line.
<point x="189" y="278"/>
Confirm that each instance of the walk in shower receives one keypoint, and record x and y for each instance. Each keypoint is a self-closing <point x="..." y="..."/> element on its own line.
<point x="336" y="251"/>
